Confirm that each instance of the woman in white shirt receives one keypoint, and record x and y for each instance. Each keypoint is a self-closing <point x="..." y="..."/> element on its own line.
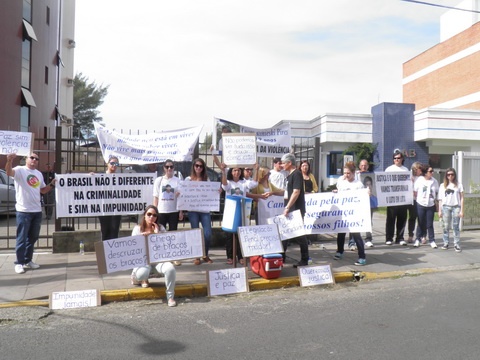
<point x="425" y="191"/>
<point x="450" y="208"/>
<point x="141" y="274"/>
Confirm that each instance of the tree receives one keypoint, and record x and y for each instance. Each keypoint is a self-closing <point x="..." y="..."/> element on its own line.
<point x="362" y="151"/>
<point x="87" y="97"/>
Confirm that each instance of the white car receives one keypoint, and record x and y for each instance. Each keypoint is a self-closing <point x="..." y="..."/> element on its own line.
<point x="7" y="194"/>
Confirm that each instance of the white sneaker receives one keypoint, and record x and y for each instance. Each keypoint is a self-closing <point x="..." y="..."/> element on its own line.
<point x="433" y="245"/>
<point x="352" y="248"/>
<point x="31" y="265"/>
<point x="369" y="244"/>
<point x="403" y="243"/>
<point x="417" y="243"/>
<point x="388" y="242"/>
<point x="19" y="269"/>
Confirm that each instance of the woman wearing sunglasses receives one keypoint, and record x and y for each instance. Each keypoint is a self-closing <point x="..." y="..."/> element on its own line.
<point x="450" y="208"/>
<point x="425" y="191"/>
<point x="148" y="225"/>
<point x="110" y="224"/>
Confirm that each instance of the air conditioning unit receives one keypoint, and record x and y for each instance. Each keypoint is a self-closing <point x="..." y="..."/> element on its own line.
<point x="71" y="44"/>
<point x="70" y="82"/>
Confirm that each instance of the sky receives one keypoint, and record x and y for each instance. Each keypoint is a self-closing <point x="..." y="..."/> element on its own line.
<point x="177" y="64"/>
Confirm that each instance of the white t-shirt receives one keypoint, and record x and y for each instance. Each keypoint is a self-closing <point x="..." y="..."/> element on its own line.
<point x="239" y="188"/>
<point x="344" y="185"/>
<point x="136" y="229"/>
<point x="426" y="190"/>
<point x="27" y="189"/>
<point x="277" y="178"/>
<point x="451" y="195"/>
<point x="164" y="190"/>
<point x="395" y="168"/>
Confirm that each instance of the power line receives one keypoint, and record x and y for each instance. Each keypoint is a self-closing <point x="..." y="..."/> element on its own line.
<point x="442" y="6"/>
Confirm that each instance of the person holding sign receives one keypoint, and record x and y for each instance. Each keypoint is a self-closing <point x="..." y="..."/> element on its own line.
<point x="425" y="191"/>
<point x="450" y="208"/>
<point x="165" y="198"/>
<point x="295" y="201"/>
<point x="29" y="186"/>
<point x="396" y="215"/>
<point x="199" y="173"/>
<point x="140" y="275"/>
<point x="233" y="183"/>
<point x="110" y="224"/>
<point x="349" y="183"/>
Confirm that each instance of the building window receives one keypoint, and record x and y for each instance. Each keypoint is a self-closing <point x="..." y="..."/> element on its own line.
<point x="47" y="20"/>
<point x="46" y="75"/>
<point x="27" y="10"/>
<point x="24" y="118"/>
<point x="25" y="80"/>
<point x="335" y="163"/>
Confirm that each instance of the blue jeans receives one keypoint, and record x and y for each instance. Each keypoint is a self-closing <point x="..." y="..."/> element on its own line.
<point x="28" y="231"/>
<point x="206" y="220"/>
<point x="451" y="220"/>
<point x="425" y="222"/>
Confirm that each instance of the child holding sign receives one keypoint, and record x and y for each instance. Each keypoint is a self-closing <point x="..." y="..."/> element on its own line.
<point x="141" y="274"/>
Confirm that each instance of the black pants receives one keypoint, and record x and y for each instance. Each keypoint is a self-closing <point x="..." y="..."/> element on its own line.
<point x="110" y="225"/>
<point x="303" y="242"/>
<point x="169" y="218"/>
<point x="358" y="240"/>
<point x="412" y="218"/>
<point x="396" y="219"/>
<point x="229" y="248"/>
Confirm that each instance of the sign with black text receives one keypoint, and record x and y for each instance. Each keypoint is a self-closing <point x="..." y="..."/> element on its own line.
<point x="394" y="188"/>
<point x="259" y="240"/>
<point x="121" y="254"/>
<point x="14" y="142"/>
<point x="176" y="245"/>
<point x="315" y="275"/>
<point x="227" y="281"/>
<point x="74" y="299"/>
<point x="290" y="226"/>
<point x="239" y="150"/>
<point x="201" y="196"/>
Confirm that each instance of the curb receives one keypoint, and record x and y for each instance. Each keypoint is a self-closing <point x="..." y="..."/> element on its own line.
<point x="198" y="290"/>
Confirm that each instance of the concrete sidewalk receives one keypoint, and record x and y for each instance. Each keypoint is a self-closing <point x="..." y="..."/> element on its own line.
<point x="70" y="272"/>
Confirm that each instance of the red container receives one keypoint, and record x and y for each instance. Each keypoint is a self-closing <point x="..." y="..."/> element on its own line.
<point x="267" y="266"/>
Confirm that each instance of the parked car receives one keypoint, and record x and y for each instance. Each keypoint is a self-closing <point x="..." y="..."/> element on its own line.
<point x="7" y="194"/>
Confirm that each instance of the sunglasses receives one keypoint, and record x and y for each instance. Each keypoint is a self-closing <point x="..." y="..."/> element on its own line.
<point x="113" y="163"/>
<point x="397" y="158"/>
<point x="430" y="171"/>
<point x="151" y="214"/>
<point x="168" y="166"/>
<point x="199" y="166"/>
<point x="34" y="158"/>
<point x="450" y="174"/>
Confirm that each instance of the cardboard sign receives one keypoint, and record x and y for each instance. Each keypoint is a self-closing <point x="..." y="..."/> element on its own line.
<point x="239" y="150"/>
<point x="176" y="245"/>
<point x="201" y="196"/>
<point x="259" y="240"/>
<point x="103" y="194"/>
<point x="227" y="281"/>
<point x="290" y="226"/>
<point x="75" y="299"/>
<point x="121" y="254"/>
<point x="394" y="188"/>
<point x="14" y="142"/>
<point x="315" y="275"/>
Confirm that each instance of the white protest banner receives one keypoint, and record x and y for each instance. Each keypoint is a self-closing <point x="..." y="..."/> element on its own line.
<point x="270" y="142"/>
<point x="268" y="208"/>
<point x="20" y="143"/>
<point x="315" y="275"/>
<point x="227" y="281"/>
<point x="74" y="299"/>
<point x="176" y="245"/>
<point x="259" y="240"/>
<point x="290" y="226"/>
<point x="121" y="254"/>
<point x="345" y="211"/>
<point x="239" y="150"/>
<point x="177" y="145"/>
<point x="103" y="194"/>
<point x="394" y="188"/>
<point x="201" y="196"/>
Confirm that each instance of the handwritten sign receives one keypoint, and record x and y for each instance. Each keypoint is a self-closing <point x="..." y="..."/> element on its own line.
<point x="75" y="299"/>
<point x="103" y="194"/>
<point x="176" y="245"/>
<point x="315" y="275"/>
<point x="239" y="150"/>
<point x="20" y="143"/>
<point x="201" y="196"/>
<point x="394" y="188"/>
<point x="259" y="240"/>
<point x="345" y="211"/>
<point x="290" y="226"/>
<point x="121" y="254"/>
<point x="227" y="281"/>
